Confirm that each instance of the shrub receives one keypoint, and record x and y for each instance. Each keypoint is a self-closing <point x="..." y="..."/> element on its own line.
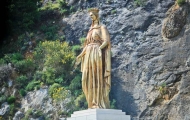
<point x="113" y="104"/>
<point x="11" y="99"/>
<point x="2" y="61"/>
<point x="76" y="83"/>
<point x="12" y="108"/>
<point x="2" y="98"/>
<point x="52" y="87"/>
<point x="25" y="66"/>
<point x="82" y="40"/>
<point x="48" y="75"/>
<point x="59" y="80"/>
<point x="22" y="81"/>
<point x="22" y="92"/>
<point x="180" y="2"/>
<point x="31" y="86"/>
<point x="81" y="102"/>
<point x="49" y="31"/>
<point x="59" y="93"/>
<point x="76" y="49"/>
<point x="140" y="2"/>
<point x="57" y="55"/>
<point x="113" y="11"/>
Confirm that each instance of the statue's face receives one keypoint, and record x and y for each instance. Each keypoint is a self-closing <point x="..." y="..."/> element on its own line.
<point x="93" y="17"/>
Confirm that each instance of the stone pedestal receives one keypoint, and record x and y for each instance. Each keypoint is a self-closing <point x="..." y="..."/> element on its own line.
<point x="99" y="114"/>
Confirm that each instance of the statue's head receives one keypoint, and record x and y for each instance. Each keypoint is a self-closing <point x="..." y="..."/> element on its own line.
<point x="94" y="14"/>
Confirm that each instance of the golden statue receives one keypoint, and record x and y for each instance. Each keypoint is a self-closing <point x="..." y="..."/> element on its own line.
<point x="96" y="64"/>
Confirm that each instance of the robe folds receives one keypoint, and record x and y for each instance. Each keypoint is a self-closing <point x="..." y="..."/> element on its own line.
<point x="96" y="69"/>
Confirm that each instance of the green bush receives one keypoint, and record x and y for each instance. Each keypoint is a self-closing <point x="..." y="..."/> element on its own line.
<point x="22" y="92"/>
<point x="59" y="80"/>
<point x="76" y="83"/>
<point x="24" y="66"/>
<point x="31" y="86"/>
<point x="22" y="14"/>
<point x="76" y="49"/>
<point x="12" y="108"/>
<point x="49" y="31"/>
<point x="52" y="88"/>
<point x="11" y="99"/>
<point x="140" y="2"/>
<point x="180" y="2"/>
<point x="113" y="104"/>
<point x="82" y="40"/>
<point x="2" y="98"/>
<point x="2" y="61"/>
<point x="56" y="55"/>
<point x="28" y="113"/>
<point x="48" y="75"/>
<point x="13" y="58"/>
<point x="22" y="81"/>
<point x="81" y="102"/>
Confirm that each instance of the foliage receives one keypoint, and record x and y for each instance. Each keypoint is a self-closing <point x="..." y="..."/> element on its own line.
<point x="140" y="2"/>
<point x="12" y="108"/>
<point x="113" y="11"/>
<point x="49" y="31"/>
<point x="163" y="89"/>
<point x="33" y="85"/>
<point x="76" y="49"/>
<point x="11" y="99"/>
<point x="21" y="64"/>
<point x="180" y="2"/>
<point x="48" y="75"/>
<point x="82" y="40"/>
<point x="28" y="113"/>
<point x="52" y="88"/>
<point x="2" y="99"/>
<point x="56" y="55"/>
<point x="75" y="85"/>
<point x="59" y="93"/>
<point x="59" y="80"/>
<point x="22" y="92"/>
<point x="81" y="102"/>
<point x="113" y="104"/>
<point x="13" y="58"/>
<point x="2" y="61"/>
<point x="24" y="66"/>
<point x="37" y="113"/>
<point x="22" y="14"/>
<point x="22" y="81"/>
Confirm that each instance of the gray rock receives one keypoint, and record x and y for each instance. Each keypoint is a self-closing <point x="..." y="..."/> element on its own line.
<point x="4" y="109"/>
<point x="18" y="115"/>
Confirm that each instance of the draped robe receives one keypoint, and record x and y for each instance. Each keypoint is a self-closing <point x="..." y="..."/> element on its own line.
<point x="96" y="68"/>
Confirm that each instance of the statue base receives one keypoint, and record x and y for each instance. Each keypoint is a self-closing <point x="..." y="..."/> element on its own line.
<point x="99" y="114"/>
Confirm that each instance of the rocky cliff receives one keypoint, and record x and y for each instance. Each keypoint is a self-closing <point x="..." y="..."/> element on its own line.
<point x="150" y="58"/>
<point x="150" y="55"/>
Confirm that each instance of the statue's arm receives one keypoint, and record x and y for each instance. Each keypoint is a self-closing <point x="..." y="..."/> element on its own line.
<point x="82" y="53"/>
<point x="105" y="36"/>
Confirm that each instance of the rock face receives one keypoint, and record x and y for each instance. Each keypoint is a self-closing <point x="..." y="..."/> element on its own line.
<point x="175" y="21"/>
<point x="39" y="100"/>
<point x="150" y="76"/>
<point x="4" y="108"/>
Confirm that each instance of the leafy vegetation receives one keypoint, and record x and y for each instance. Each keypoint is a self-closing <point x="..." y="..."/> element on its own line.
<point x="22" y="17"/>
<point x="11" y="99"/>
<point x="180" y="2"/>
<point x="139" y="2"/>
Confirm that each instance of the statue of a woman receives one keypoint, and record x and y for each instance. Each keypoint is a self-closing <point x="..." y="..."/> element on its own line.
<point x="96" y="64"/>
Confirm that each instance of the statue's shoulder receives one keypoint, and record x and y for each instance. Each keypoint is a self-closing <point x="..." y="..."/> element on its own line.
<point x="103" y="27"/>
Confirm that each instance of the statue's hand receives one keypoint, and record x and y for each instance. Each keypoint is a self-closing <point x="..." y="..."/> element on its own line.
<point x="78" y="57"/>
<point x="100" y="52"/>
